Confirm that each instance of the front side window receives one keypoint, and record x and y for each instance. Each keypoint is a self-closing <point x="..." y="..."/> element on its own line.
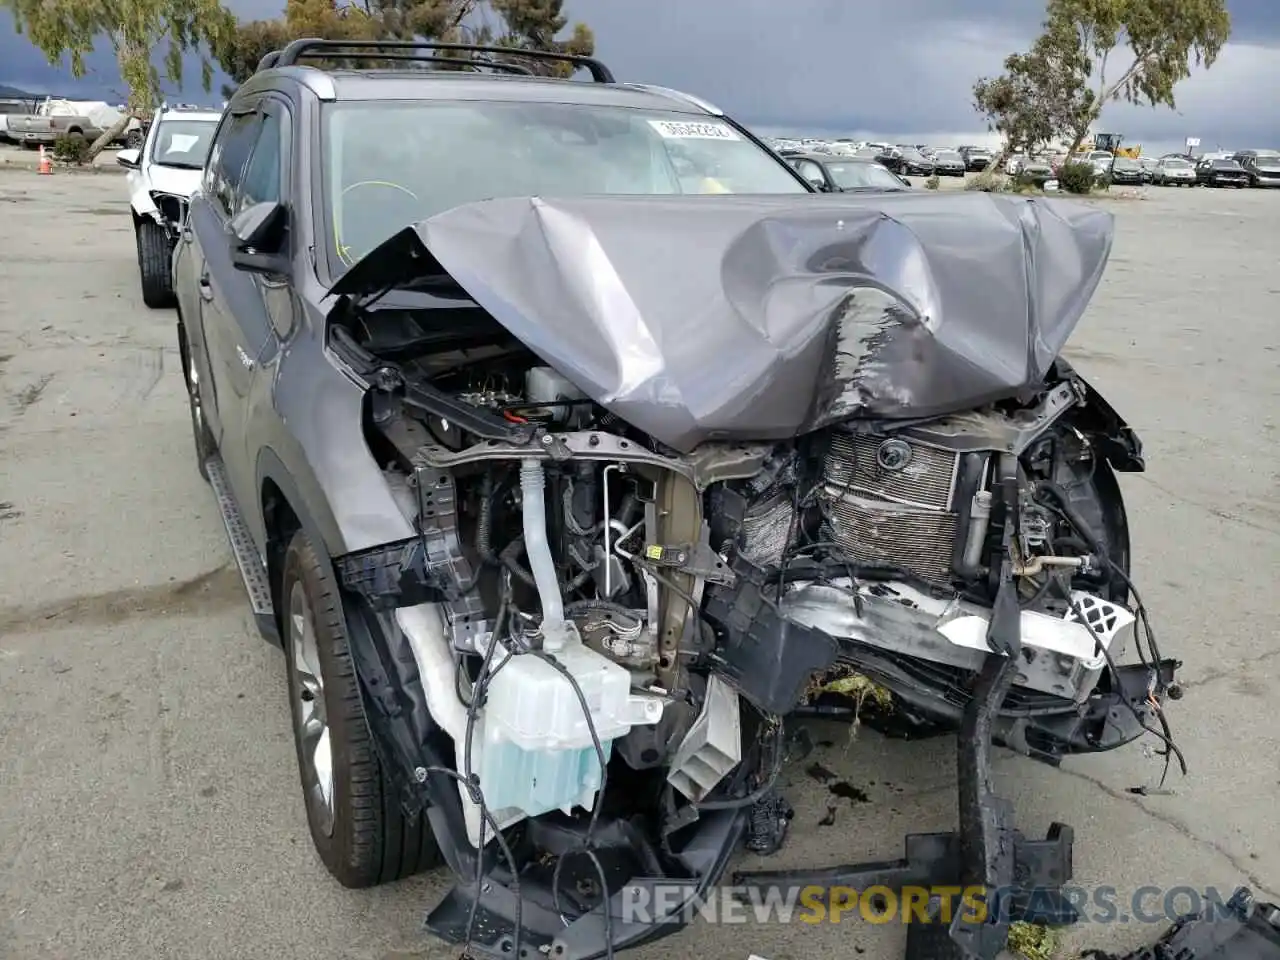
<point x="227" y="158"/>
<point x="262" y="177"/>
<point x="390" y="164"/>
<point x="182" y="143"/>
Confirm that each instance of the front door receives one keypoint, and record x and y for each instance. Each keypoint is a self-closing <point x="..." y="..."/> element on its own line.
<point x="237" y="328"/>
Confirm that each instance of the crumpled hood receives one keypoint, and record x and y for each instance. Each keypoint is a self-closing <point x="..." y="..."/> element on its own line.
<point x="760" y="318"/>
<point x="175" y="180"/>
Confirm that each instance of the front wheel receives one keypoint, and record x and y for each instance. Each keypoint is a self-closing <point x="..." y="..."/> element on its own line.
<point x="155" y="265"/>
<point x="357" y="824"/>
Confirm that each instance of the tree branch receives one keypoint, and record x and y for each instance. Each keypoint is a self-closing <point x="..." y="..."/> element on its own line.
<point x="1125" y="78"/>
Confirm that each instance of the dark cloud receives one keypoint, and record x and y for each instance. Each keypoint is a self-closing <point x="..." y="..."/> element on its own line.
<point x="902" y="67"/>
<point x="895" y="68"/>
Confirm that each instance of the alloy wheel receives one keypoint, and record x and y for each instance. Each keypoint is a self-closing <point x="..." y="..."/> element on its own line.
<point x="310" y="713"/>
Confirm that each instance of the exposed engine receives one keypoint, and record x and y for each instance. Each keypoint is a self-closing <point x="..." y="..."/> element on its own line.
<point x="666" y="583"/>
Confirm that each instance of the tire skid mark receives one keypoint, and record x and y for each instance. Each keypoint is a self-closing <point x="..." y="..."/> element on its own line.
<point x="30" y="395"/>
<point x="217" y="589"/>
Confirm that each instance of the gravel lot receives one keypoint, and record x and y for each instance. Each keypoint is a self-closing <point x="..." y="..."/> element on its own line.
<point x="149" y="803"/>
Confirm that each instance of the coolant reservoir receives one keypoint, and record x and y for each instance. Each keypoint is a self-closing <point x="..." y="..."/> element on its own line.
<point x="537" y="754"/>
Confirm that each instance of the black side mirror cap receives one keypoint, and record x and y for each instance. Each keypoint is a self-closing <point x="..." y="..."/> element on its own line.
<point x="258" y="227"/>
<point x="251" y="262"/>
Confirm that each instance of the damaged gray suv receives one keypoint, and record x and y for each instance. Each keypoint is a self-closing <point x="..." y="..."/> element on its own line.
<point x="567" y="441"/>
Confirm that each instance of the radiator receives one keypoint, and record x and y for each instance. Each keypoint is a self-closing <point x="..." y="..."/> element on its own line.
<point x="888" y="500"/>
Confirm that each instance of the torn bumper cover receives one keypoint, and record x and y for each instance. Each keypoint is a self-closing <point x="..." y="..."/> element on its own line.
<point x="570" y="925"/>
<point x="928" y="652"/>
<point x="575" y="929"/>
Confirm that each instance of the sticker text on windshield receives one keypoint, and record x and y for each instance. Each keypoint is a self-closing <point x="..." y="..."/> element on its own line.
<point x="680" y="130"/>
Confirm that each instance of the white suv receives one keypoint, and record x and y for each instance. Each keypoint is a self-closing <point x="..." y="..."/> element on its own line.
<point x="163" y="174"/>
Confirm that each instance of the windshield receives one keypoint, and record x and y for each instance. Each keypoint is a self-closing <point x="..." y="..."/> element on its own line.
<point x="182" y="143"/>
<point x="1122" y="164"/>
<point x="862" y="176"/>
<point x="447" y="153"/>
<point x="1177" y="164"/>
<point x="1226" y="164"/>
<point x="946" y="155"/>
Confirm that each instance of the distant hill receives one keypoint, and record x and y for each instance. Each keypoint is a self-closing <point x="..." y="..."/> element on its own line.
<point x="13" y="93"/>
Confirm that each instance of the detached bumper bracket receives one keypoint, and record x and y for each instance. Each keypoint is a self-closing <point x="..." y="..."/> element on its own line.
<point x="1021" y="879"/>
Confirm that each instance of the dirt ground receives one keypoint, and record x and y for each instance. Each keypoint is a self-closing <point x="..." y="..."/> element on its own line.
<point x="149" y="799"/>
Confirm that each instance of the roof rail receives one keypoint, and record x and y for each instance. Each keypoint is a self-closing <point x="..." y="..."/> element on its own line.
<point x="314" y="48"/>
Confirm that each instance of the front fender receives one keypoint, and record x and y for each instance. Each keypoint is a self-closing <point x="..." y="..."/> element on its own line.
<point x="1100" y="421"/>
<point x="145" y="209"/>
<point x="317" y="428"/>
<point x="314" y="516"/>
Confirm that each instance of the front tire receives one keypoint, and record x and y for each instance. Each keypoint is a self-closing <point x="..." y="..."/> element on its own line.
<point x="155" y="265"/>
<point x="357" y="824"/>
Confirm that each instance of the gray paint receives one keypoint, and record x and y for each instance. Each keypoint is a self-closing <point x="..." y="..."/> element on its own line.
<point x="735" y="317"/>
<point x="298" y="424"/>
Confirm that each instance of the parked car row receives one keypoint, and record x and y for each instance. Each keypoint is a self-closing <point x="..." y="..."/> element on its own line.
<point x="904" y="159"/>
<point x="1180" y="170"/>
<point x="1256" y="168"/>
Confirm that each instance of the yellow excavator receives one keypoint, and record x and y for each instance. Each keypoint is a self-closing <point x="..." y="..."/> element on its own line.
<point x="1111" y="143"/>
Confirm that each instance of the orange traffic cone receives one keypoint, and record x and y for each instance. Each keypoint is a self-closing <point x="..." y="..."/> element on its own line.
<point x="46" y="162"/>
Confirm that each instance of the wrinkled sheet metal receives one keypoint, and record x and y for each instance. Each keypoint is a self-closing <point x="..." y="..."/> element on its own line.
<point x="765" y="317"/>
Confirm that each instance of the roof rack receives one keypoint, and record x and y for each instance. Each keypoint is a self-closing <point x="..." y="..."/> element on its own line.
<point x="407" y="50"/>
<point x="271" y="60"/>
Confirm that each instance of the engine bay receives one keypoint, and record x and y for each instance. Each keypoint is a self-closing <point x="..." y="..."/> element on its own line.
<point x="691" y="599"/>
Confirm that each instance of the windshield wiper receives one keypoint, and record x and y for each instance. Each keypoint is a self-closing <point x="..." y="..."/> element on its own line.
<point x="180" y="166"/>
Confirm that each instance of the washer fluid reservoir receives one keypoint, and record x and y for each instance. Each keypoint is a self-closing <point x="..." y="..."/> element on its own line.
<point x="537" y="754"/>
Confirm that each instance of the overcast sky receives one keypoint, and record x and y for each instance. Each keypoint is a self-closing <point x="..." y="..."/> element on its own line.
<point x="901" y="69"/>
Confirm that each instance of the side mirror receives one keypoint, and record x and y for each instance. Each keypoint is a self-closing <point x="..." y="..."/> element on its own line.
<point x="257" y="233"/>
<point x="817" y="183"/>
<point x="129" y="158"/>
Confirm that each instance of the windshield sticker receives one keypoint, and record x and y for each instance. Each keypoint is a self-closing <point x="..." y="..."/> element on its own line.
<point x="680" y="130"/>
<point x="182" y="142"/>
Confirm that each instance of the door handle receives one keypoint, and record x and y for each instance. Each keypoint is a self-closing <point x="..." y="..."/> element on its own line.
<point x="206" y="290"/>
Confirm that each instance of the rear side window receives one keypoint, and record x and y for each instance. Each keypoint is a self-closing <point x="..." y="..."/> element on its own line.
<point x="228" y="157"/>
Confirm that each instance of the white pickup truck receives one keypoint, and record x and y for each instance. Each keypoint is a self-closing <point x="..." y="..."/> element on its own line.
<point x="56" y="118"/>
